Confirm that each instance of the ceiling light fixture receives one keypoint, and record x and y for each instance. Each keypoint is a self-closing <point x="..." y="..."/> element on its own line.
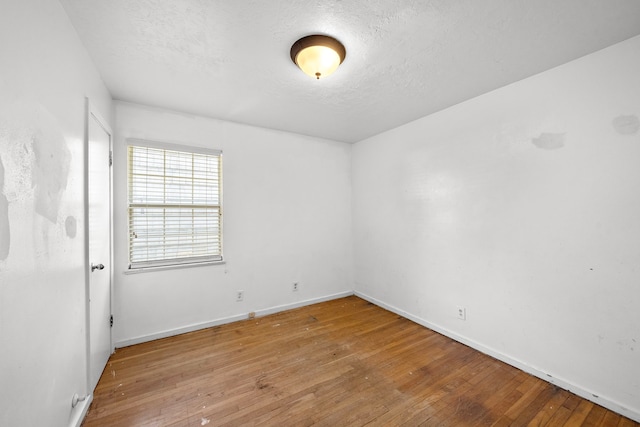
<point x="317" y="55"/>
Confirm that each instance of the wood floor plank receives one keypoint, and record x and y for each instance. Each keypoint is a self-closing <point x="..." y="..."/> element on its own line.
<point x="595" y="416"/>
<point x="338" y="363"/>
<point x="560" y="417"/>
<point x="610" y="419"/>
<point x="550" y="408"/>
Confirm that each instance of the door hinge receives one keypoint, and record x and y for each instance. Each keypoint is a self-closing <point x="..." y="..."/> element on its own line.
<point x="111" y="321"/>
<point x="110" y="158"/>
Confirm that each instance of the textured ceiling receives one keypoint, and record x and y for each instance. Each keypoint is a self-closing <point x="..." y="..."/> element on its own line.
<point x="229" y="59"/>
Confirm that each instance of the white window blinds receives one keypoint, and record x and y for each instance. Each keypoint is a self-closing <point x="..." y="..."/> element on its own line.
<point x="175" y="211"/>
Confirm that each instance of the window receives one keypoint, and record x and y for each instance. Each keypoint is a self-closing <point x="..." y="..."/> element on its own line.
<point x="175" y="210"/>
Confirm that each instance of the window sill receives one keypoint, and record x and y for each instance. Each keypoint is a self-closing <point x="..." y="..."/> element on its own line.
<point x="172" y="267"/>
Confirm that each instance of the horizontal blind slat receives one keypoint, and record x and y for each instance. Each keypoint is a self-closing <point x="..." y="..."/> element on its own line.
<point x="174" y="206"/>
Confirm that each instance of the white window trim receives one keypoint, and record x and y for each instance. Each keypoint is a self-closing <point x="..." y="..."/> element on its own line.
<point x="187" y="262"/>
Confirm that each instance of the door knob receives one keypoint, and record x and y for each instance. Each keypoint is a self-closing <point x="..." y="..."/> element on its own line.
<point x="96" y="267"/>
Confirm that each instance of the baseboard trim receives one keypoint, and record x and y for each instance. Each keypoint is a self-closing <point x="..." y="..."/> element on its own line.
<point x="230" y="319"/>
<point x="80" y="411"/>
<point x="299" y="304"/>
<point x="560" y="382"/>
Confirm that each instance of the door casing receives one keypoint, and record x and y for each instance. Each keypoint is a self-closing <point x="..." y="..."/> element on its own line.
<point x="93" y="115"/>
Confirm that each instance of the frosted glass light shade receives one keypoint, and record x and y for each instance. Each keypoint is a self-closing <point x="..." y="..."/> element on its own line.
<point x="318" y="61"/>
<point x="318" y="56"/>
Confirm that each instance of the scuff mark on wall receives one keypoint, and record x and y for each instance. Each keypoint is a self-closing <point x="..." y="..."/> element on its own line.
<point x="15" y="146"/>
<point x="38" y="155"/>
<point x="549" y="141"/>
<point x="626" y="125"/>
<point x="5" y="230"/>
<point x="71" y="226"/>
<point x="51" y="171"/>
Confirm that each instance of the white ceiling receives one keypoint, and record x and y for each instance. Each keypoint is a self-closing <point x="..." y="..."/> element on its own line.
<point x="229" y="59"/>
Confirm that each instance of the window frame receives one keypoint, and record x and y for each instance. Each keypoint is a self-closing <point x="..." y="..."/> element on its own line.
<point x="181" y="262"/>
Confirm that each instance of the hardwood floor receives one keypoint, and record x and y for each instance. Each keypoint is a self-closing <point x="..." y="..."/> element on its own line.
<point x="340" y="363"/>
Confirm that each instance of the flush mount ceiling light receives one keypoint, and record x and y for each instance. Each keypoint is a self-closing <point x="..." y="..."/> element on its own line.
<point x="317" y="55"/>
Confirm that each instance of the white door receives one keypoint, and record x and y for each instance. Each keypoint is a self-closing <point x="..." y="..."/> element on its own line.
<point x="99" y="244"/>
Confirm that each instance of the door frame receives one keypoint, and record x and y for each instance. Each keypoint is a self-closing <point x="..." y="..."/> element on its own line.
<point x="93" y="114"/>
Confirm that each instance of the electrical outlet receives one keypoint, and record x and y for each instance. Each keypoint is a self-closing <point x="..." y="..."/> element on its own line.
<point x="295" y="287"/>
<point x="239" y="295"/>
<point x="462" y="312"/>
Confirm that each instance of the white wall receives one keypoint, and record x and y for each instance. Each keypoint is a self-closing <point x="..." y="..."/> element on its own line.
<point x="287" y="218"/>
<point x="44" y="78"/>
<point x="522" y="205"/>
